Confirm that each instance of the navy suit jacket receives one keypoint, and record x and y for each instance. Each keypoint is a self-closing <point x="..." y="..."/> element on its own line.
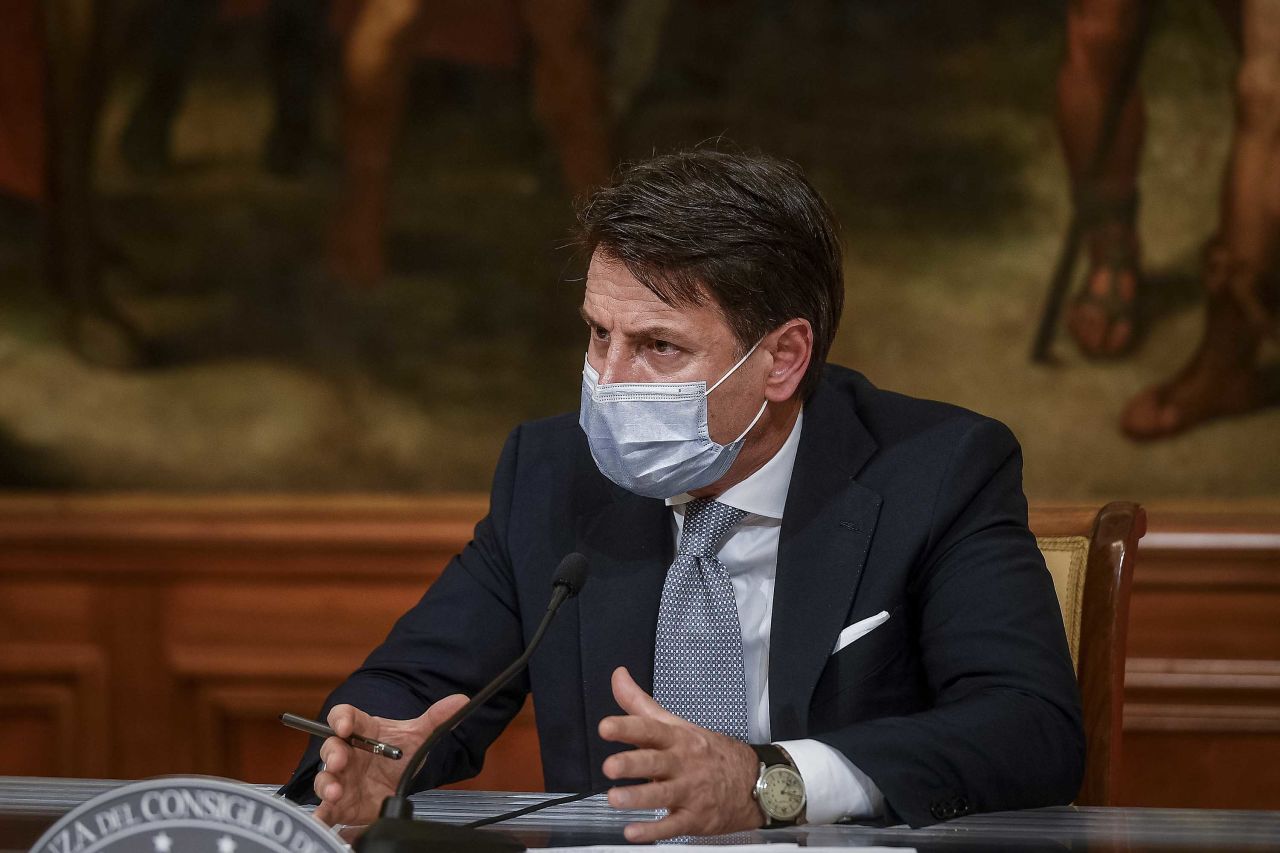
<point x="964" y="700"/>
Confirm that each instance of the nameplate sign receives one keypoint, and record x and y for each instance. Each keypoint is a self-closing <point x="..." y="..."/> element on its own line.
<point x="187" y="815"/>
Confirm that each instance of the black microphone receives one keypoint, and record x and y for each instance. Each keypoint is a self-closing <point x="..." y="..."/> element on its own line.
<point x="396" y="831"/>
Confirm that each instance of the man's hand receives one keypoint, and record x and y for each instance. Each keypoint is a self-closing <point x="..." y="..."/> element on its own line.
<point x="702" y="778"/>
<point x="353" y="783"/>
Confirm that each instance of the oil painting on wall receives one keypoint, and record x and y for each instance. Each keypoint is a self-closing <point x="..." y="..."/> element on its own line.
<point x="310" y="246"/>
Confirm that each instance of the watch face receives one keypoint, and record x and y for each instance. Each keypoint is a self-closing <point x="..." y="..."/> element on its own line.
<point x="782" y="793"/>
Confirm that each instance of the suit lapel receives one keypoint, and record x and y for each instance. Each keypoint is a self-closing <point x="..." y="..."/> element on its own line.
<point x="826" y="530"/>
<point x="628" y="543"/>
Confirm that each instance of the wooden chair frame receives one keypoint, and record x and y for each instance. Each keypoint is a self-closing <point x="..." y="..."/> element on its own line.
<point x="1113" y="534"/>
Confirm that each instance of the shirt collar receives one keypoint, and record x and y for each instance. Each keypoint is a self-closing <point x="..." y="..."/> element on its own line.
<point x="764" y="492"/>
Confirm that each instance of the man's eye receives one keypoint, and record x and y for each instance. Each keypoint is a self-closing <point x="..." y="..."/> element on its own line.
<point x="600" y="333"/>
<point x="663" y="347"/>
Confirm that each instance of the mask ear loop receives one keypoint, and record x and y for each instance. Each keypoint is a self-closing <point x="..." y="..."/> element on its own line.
<point x="763" y="405"/>
<point x="735" y="367"/>
<point x="754" y="421"/>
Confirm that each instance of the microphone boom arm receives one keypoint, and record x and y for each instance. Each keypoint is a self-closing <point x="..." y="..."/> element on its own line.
<point x="558" y="597"/>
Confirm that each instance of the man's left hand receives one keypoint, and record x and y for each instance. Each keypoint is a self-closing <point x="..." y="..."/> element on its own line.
<point x="703" y="779"/>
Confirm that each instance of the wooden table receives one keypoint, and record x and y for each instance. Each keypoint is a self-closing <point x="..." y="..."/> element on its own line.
<point x="29" y="804"/>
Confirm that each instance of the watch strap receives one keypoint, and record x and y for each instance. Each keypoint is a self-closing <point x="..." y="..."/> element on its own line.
<point x="772" y="755"/>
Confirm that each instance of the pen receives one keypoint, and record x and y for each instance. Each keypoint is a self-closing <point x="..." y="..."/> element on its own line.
<point x="368" y="744"/>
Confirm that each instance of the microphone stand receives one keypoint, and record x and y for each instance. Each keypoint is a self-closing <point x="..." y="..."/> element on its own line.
<point x="396" y="831"/>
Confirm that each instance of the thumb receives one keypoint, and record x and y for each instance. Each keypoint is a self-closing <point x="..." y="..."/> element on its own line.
<point x="634" y="700"/>
<point x="441" y="711"/>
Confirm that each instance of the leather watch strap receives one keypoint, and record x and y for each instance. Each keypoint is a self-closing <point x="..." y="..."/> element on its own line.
<point x="770" y="754"/>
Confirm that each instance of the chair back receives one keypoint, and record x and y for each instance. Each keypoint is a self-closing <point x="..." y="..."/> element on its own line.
<point x="1091" y="554"/>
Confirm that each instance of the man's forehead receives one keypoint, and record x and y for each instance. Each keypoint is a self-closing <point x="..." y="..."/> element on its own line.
<point x="613" y="293"/>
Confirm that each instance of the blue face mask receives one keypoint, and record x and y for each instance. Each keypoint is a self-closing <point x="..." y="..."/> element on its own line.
<point x="651" y="438"/>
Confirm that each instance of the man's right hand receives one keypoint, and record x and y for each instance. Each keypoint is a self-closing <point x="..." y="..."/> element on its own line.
<point x="353" y="783"/>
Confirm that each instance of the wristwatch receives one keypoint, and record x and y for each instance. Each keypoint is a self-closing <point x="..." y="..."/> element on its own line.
<point x="779" y="788"/>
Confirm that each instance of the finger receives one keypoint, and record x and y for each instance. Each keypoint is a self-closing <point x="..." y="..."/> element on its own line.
<point x="331" y="813"/>
<point x="639" y="764"/>
<point x="335" y="753"/>
<point x="650" y="795"/>
<point x="638" y="731"/>
<point x="343" y="719"/>
<point x="632" y="698"/>
<point x="676" y="823"/>
<point x="327" y="788"/>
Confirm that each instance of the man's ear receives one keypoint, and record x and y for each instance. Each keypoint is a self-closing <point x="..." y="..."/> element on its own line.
<point x="791" y="346"/>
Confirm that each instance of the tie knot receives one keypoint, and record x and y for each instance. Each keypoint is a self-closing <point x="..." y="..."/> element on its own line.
<point x="706" y="524"/>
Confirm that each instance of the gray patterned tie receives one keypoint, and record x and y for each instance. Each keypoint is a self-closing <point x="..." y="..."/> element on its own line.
<point x="698" y="672"/>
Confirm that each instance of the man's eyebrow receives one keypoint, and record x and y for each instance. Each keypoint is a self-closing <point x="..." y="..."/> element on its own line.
<point x="652" y="332"/>
<point x="659" y="333"/>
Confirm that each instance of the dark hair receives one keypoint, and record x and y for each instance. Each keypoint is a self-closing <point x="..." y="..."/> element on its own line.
<point x="745" y="230"/>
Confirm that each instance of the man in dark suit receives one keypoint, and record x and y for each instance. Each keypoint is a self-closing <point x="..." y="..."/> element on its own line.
<point x="810" y="599"/>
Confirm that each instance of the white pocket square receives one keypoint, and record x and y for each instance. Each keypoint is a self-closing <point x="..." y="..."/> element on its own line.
<point x="860" y="629"/>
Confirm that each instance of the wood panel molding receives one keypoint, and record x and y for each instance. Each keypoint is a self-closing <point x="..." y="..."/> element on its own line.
<point x="1221" y="696"/>
<point x="64" y="685"/>
<point x="371" y="521"/>
<point x="233" y="697"/>
<point x="1248" y="719"/>
<point x="1181" y="674"/>
<point x="287" y="536"/>
<point x="224" y="715"/>
<point x="1216" y="547"/>
<point x="196" y="665"/>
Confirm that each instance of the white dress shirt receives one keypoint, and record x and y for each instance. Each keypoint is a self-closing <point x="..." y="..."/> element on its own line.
<point x="834" y="787"/>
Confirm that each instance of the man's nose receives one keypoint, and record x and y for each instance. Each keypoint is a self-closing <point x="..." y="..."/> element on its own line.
<point x="616" y="367"/>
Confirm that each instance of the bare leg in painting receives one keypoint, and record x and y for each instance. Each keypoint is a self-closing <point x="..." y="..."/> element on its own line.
<point x="295" y="41"/>
<point x="176" y="25"/>
<point x="296" y="31"/>
<point x="569" y="89"/>
<point x="569" y="97"/>
<point x="1222" y="378"/>
<point x="79" y="37"/>
<point x="1102" y="317"/>
<point x="376" y="61"/>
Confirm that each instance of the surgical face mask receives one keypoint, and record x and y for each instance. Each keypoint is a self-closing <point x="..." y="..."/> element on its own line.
<point x="651" y="438"/>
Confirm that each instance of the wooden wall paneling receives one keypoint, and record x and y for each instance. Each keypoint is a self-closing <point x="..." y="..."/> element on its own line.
<point x="1202" y="733"/>
<point x="233" y="708"/>
<point x="1177" y="769"/>
<point x="231" y="700"/>
<point x="37" y="728"/>
<point x="53" y="714"/>
<point x="237" y="732"/>
<point x="43" y="605"/>
<point x="193" y="621"/>
<point x="1202" y="687"/>
<point x="39" y="720"/>
<point x="145" y="730"/>
<point x="1208" y="594"/>
<point x="53" y="677"/>
<point x="337" y="621"/>
<point x="241" y="653"/>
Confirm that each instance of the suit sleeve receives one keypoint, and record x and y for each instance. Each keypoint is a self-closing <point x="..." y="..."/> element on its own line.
<point x="1004" y="729"/>
<point x="464" y="631"/>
